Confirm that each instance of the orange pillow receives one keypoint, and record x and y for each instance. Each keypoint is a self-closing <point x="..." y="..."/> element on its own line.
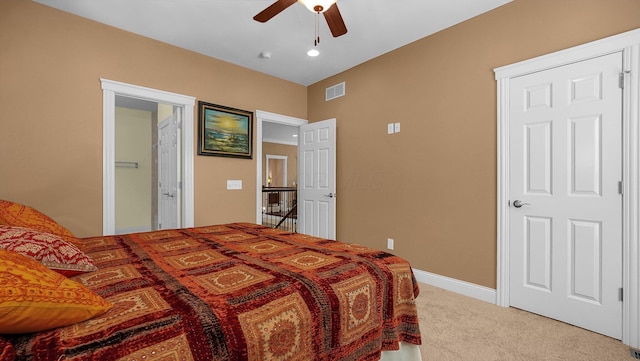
<point x="52" y="251"/>
<point x="34" y="298"/>
<point x="19" y="215"/>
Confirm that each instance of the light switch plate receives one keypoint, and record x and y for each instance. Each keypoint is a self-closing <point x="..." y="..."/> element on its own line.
<point x="390" y="128"/>
<point x="390" y="243"/>
<point x="396" y="127"/>
<point x="234" y="184"/>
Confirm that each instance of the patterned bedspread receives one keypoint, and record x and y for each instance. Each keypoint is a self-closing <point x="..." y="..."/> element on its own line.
<point x="236" y="292"/>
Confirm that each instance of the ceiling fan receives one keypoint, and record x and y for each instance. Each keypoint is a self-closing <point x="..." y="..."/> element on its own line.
<point x="328" y="8"/>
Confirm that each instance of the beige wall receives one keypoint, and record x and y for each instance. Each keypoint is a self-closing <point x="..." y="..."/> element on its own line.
<point x="51" y="63"/>
<point x="432" y="187"/>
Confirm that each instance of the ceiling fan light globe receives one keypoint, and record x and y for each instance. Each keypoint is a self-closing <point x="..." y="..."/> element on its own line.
<point x="314" y="5"/>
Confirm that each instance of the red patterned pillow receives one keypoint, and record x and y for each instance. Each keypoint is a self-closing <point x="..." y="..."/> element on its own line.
<point x="7" y="353"/>
<point x="52" y="251"/>
<point x="19" y="215"/>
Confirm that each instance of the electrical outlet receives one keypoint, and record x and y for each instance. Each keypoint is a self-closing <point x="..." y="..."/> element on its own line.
<point x="635" y="353"/>
<point x="390" y="242"/>
<point x="390" y="128"/>
<point x="396" y="127"/>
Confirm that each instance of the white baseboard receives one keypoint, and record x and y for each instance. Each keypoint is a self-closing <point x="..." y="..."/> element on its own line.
<point x="451" y="284"/>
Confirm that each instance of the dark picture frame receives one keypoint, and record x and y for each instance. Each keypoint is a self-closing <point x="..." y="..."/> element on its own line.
<point x="224" y="131"/>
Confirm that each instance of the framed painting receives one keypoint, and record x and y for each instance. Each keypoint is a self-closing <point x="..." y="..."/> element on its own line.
<point x="224" y="131"/>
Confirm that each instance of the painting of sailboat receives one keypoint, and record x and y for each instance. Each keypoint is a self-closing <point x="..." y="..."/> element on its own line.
<point x="224" y="131"/>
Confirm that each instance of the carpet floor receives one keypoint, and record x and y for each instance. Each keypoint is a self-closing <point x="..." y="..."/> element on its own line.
<point x="460" y="328"/>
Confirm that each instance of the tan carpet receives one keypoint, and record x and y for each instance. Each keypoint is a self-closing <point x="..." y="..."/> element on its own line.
<point x="460" y="328"/>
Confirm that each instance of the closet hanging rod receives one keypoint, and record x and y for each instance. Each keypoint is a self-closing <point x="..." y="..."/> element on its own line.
<point x="120" y="164"/>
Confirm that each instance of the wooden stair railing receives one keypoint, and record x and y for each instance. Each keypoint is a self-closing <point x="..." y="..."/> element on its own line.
<point x="288" y="215"/>
<point x="280" y="207"/>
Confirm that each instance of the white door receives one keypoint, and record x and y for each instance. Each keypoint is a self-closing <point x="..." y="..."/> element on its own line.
<point x="169" y="173"/>
<point x="565" y="156"/>
<point x="317" y="179"/>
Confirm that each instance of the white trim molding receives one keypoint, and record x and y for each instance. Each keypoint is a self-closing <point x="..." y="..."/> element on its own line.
<point x="451" y="284"/>
<point x="629" y="44"/>
<point x="110" y="89"/>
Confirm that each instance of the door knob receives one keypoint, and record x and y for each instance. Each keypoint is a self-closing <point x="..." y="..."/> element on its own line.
<point x="330" y="195"/>
<point x="518" y="203"/>
<point x="168" y="195"/>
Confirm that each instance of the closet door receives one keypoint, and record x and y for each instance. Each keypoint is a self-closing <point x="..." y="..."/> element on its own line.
<point x="565" y="212"/>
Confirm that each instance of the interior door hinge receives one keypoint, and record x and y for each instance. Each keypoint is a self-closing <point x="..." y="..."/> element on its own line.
<point x="622" y="77"/>
<point x="620" y="187"/>
<point x="621" y="80"/>
<point x="620" y="294"/>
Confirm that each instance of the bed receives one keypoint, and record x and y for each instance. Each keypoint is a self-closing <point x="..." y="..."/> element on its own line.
<point x="236" y="291"/>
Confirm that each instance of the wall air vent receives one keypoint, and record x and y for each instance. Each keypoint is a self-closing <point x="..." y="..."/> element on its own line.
<point x="335" y="91"/>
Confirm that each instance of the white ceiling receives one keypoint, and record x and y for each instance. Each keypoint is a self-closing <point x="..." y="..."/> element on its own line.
<point x="225" y="29"/>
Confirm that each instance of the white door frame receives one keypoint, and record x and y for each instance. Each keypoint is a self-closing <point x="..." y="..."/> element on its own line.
<point x="629" y="44"/>
<point x="112" y="88"/>
<point x="262" y="116"/>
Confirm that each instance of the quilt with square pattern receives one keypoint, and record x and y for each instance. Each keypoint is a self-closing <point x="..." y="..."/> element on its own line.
<point x="232" y="292"/>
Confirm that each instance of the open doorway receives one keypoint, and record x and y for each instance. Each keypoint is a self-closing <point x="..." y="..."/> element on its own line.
<point x="280" y="160"/>
<point x="147" y="159"/>
<point x="180" y="141"/>
<point x="316" y="154"/>
<point x="276" y="183"/>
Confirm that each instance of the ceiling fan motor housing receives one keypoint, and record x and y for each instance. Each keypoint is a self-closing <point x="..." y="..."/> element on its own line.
<point x="318" y="6"/>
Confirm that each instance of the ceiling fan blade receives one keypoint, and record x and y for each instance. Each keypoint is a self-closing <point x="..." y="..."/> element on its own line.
<point x="273" y="10"/>
<point x="335" y="22"/>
